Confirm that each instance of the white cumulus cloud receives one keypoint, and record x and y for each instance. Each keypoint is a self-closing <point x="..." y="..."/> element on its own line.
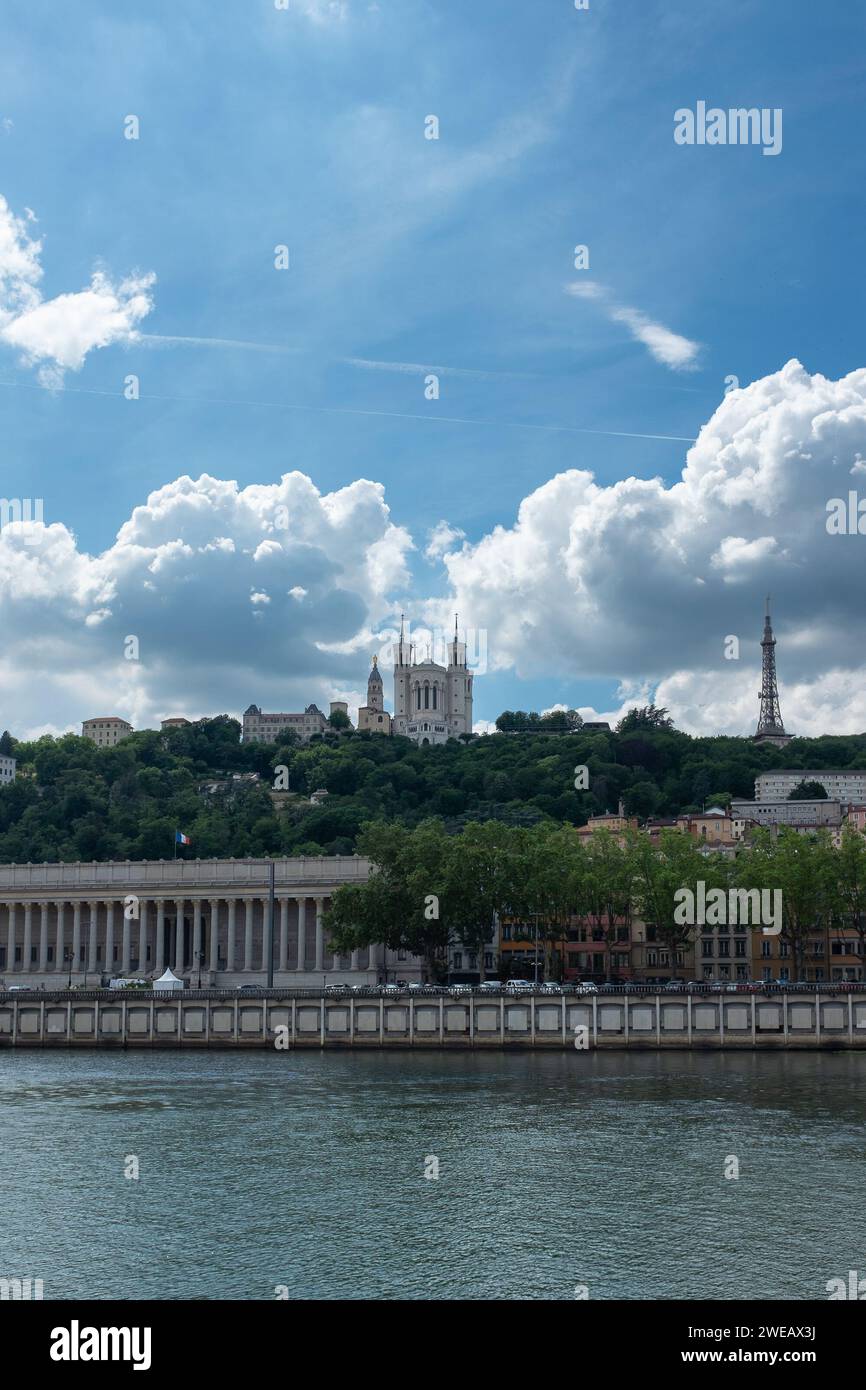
<point x="57" y="334"/>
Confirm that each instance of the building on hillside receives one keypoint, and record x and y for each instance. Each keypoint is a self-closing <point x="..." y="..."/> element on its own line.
<point x="846" y="785"/>
<point x="432" y="703"/>
<point x="593" y="726"/>
<point x="176" y="721"/>
<point x="229" y="786"/>
<point x="106" y="731"/>
<point x="617" y="823"/>
<point x="658" y="824"/>
<point x="7" y="769"/>
<point x="814" y="814"/>
<point x="373" y="715"/>
<point x="268" y="728"/>
<point x="712" y="825"/>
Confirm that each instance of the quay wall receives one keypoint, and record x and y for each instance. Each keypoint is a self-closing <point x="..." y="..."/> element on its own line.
<point x="210" y="1019"/>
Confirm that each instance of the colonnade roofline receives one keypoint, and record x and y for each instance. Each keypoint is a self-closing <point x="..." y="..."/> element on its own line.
<point x="309" y="873"/>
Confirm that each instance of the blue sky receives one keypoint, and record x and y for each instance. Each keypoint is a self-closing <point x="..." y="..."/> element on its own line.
<point x="305" y="127"/>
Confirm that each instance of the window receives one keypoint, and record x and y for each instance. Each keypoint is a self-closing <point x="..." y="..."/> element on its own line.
<point x="739" y="948"/>
<point x="706" y="945"/>
<point x="458" y="960"/>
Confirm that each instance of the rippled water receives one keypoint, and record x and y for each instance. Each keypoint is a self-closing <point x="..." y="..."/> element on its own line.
<point x="307" y="1171"/>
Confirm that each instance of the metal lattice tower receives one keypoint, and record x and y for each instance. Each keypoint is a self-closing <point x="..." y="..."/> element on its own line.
<point x="770" y="716"/>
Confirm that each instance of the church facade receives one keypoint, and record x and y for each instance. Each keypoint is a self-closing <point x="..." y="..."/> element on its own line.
<point x="432" y="703"/>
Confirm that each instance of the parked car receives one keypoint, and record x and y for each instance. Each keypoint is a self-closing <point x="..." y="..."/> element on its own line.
<point x="336" y="989"/>
<point x="457" y="990"/>
<point x="518" y="986"/>
<point x="392" y="989"/>
<point x="673" y="984"/>
<point x="587" y="987"/>
<point x="491" y="987"/>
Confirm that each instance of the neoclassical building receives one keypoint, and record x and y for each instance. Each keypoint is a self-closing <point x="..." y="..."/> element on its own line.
<point x="205" y="918"/>
<point x="432" y="703"/>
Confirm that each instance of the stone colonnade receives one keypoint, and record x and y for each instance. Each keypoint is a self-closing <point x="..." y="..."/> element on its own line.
<point x="143" y="935"/>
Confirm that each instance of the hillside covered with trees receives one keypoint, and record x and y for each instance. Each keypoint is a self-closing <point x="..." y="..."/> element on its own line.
<point x="75" y="801"/>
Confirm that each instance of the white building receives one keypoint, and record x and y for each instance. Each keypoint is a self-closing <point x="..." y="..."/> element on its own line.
<point x="814" y="814"/>
<point x="432" y="703"/>
<point x="846" y="786"/>
<point x="107" y="731"/>
<point x="7" y="770"/>
<point x="204" y="918"/>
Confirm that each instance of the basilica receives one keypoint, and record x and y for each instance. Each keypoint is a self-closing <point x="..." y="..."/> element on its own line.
<point x="432" y="703"/>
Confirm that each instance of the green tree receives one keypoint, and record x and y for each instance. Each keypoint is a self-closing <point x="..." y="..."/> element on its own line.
<point x="660" y="873"/>
<point x="802" y="868"/>
<point x="647" y="717"/>
<point x="808" y="791"/>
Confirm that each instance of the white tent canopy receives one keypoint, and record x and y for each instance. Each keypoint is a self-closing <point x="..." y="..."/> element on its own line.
<point x="168" y="981"/>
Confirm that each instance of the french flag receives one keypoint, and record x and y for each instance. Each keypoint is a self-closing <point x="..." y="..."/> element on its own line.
<point x="181" y="839"/>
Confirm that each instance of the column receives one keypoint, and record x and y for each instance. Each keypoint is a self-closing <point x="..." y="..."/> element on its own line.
<point x="28" y="937"/>
<point x="126" y="947"/>
<point x="248" y="933"/>
<point x="178" y="944"/>
<point x="159" y="952"/>
<point x="10" y="936"/>
<point x="76" y="938"/>
<point x="320" y="937"/>
<point x="196" y="938"/>
<point x="302" y="933"/>
<point x="214" y="952"/>
<point x="230" y="944"/>
<point x="373" y="958"/>
<point x="284" y="933"/>
<point x="93" y="938"/>
<point x="43" y="938"/>
<point x="336" y="961"/>
<point x="265" y="908"/>
<point x="60" y="909"/>
<point x="109" y="937"/>
<point x="355" y="957"/>
<point x="142" y="937"/>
